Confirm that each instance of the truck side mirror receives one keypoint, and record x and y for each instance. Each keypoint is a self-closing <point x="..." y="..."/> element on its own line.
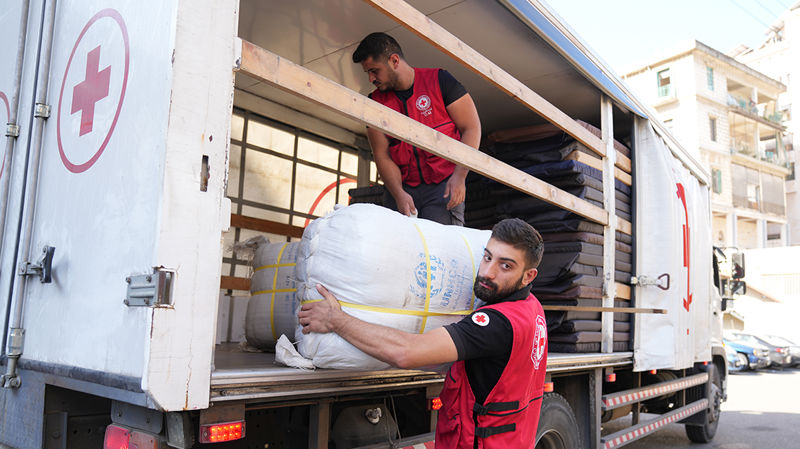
<point x="738" y="288"/>
<point x="737" y="260"/>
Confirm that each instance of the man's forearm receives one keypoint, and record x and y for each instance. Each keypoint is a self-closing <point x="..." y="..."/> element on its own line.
<point x="390" y="174"/>
<point x="384" y="343"/>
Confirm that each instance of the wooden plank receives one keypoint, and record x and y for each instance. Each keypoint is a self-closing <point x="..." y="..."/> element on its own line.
<point x="594" y="162"/>
<point x="234" y="283"/>
<point x="421" y="25"/>
<point x="623" y="291"/>
<point x="624" y="226"/>
<point x="623" y="162"/>
<point x="604" y="309"/>
<point x="284" y="74"/>
<point x="271" y="227"/>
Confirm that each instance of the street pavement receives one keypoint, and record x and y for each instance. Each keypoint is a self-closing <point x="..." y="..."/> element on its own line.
<point x="762" y="411"/>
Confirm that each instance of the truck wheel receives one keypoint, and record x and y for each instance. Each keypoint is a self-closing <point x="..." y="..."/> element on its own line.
<point x="558" y="428"/>
<point x="705" y="432"/>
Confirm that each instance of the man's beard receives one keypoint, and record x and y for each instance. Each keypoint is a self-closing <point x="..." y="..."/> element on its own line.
<point x="390" y="84"/>
<point x="494" y="294"/>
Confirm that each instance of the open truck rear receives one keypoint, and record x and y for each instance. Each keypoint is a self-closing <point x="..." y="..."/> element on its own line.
<point x="143" y="141"/>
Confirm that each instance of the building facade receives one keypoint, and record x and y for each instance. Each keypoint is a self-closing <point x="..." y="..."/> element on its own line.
<point x="727" y="114"/>
<point x="779" y="58"/>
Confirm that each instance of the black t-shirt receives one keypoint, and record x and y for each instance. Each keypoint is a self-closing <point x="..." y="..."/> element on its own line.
<point x="451" y="89"/>
<point x="485" y="348"/>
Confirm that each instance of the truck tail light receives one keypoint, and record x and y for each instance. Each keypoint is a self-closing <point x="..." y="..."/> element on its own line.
<point x="218" y="433"/>
<point x="549" y="387"/>
<point x="435" y="404"/>
<point x="118" y="437"/>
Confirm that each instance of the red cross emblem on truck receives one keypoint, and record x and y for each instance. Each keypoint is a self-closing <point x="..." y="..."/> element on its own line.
<point x="91" y="90"/>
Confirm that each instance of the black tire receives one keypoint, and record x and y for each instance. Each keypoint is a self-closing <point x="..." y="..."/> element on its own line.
<point x="744" y="363"/>
<point x="558" y="428"/>
<point x="704" y="433"/>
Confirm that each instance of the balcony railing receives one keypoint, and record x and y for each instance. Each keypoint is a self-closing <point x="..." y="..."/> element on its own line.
<point x="666" y="91"/>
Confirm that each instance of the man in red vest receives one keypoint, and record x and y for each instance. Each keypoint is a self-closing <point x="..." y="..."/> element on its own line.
<point x="493" y="392"/>
<point x="418" y="182"/>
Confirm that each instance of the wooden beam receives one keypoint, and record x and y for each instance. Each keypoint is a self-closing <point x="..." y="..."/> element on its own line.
<point x="604" y="309"/>
<point x="594" y="162"/>
<point x="428" y="30"/>
<point x="624" y="226"/>
<point x="623" y="162"/>
<point x="623" y="291"/>
<point x="284" y="74"/>
<point x="234" y="283"/>
<point x="270" y="227"/>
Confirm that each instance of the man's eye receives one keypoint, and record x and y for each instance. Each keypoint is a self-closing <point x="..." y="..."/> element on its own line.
<point x="506" y="266"/>
<point x="486" y="258"/>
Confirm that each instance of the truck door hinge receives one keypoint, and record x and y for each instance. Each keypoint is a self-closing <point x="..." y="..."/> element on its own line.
<point x="43" y="268"/>
<point x="661" y="282"/>
<point x="12" y="130"/>
<point x="149" y="290"/>
<point x="41" y="110"/>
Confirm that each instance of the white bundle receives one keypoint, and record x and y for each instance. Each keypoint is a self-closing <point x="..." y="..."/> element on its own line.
<point x="385" y="268"/>
<point x="272" y="309"/>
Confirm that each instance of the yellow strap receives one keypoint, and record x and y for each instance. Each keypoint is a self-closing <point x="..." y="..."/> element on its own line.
<point x="472" y="260"/>
<point x="274" y="290"/>
<point x="278" y="290"/>
<point x="395" y="311"/>
<point x="428" y="288"/>
<point x="275" y="265"/>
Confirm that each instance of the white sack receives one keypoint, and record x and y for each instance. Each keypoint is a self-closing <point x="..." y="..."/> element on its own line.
<point x="371" y="256"/>
<point x="272" y="309"/>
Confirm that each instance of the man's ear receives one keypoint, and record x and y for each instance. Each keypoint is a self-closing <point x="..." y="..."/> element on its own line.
<point x="394" y="61"/>
<point x="529" y="275"/>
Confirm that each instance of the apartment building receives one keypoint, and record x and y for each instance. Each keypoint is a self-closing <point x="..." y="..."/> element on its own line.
<point x="779" y="57"/>
<point x="728" y="115"/>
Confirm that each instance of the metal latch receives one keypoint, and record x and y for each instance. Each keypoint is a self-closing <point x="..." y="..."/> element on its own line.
<point x="647" y="280"/>
<point x="148" y="290"/>
<point x="41" y="110"/>
<point x="43" y="268"/>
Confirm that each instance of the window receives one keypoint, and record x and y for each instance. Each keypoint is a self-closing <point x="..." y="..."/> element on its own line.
<point x="710" y="78"/>
<point x="664" y="85"/>
<point x="716" y="180"/>
<point x="712" y="128"/>
<point x="790" y="176"/>
<point x="283" y="174"/>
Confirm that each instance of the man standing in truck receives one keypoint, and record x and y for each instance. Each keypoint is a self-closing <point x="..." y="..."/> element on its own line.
<point x="418" y="182"/>
<point x="493" y="391"/>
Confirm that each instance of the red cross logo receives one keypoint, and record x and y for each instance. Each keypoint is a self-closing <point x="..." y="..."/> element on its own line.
<point x="423" y="102"/>
<point x="91" y="90"/>
<point x="480" y="318"/>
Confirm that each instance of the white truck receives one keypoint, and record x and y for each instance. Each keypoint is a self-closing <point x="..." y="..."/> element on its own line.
<point x="144" y="139"/>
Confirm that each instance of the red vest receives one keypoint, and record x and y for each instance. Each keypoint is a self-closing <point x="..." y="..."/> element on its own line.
<point x="510" y="415"/>
<point x="426" y="106"/>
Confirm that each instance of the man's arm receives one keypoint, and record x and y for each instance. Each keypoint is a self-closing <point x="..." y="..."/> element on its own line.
<point x="390" y="172"/>
<point x="465" y="117"/>
<point x="397" y="348"/>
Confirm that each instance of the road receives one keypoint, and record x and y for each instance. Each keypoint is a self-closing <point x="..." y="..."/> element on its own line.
<point x="762" y="411"/>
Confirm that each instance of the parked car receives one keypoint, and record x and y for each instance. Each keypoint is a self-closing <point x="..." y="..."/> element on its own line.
<point x="736" y="360"/>
<point x="750" y="356"/>
<point x="794" y="348"/>
<point x="779" y="356"/>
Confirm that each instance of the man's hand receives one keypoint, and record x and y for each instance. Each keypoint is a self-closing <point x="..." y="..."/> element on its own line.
<point x="456" y="190"/>
<point x="321" y="316"/>
<point x="405" y="203"/>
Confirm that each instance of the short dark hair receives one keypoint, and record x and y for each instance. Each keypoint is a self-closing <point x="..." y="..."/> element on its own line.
<point x="523" y="236"/>
<point x="378" y="46"/>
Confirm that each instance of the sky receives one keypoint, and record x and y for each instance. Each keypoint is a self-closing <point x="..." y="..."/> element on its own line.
<point x="627" y="34"/>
